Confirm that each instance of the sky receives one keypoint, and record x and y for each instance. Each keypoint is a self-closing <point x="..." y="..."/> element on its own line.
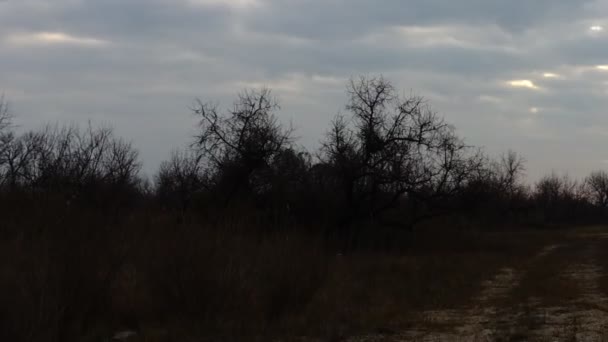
<point x="531" y="76"/>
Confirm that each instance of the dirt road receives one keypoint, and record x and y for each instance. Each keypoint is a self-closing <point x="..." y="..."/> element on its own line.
<point x="555" y="296"/>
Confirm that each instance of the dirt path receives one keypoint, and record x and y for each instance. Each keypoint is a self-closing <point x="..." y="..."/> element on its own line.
<point x="506" y="310"/>
<point x="584" y="318"/>
<point x="480" y="322"/>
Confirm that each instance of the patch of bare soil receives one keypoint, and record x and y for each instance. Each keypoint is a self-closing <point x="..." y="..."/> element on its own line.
<point x="477" y="323"/>
<point x="583" y="317"/>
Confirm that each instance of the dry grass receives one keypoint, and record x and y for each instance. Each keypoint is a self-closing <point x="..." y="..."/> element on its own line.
<point x="85" y="277"/>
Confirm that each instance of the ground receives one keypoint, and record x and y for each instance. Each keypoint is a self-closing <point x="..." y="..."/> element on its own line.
<point x="512" y="284"/>
<point x="559" y="294"/>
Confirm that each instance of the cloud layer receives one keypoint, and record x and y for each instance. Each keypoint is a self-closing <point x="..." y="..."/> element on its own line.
<point x="520" y="74"/>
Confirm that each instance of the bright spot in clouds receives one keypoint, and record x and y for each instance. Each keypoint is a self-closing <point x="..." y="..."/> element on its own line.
<point x="596" y="28"/>
<point x="550" y="75"/>
<point x="534" y="110"/>
<point x="523" y="84"/>
<point x="602" y="67"/>
<point x="48" y="38"/>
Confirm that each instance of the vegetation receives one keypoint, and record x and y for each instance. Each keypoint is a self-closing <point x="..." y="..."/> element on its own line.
<point x="245" y="235"/>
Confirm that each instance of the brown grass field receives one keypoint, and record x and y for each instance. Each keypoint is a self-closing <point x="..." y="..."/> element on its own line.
<point x="183" y="282"/>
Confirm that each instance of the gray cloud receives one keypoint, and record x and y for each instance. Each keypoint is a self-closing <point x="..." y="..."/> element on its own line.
<point x="348" y="18"/>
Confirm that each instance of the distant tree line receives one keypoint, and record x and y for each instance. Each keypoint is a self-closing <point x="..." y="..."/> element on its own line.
<point x="389" y="161"/>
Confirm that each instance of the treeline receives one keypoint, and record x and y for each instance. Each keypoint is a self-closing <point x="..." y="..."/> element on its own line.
<point x="389" y="161"/>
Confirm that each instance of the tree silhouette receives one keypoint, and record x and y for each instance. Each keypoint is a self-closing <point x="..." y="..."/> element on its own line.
<point x="394" y="148"/>
<point x="241" y="143"/>
<point x="597" y="187"/>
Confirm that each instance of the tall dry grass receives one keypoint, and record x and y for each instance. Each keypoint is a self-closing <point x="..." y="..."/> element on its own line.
<point x="72" y="274"/>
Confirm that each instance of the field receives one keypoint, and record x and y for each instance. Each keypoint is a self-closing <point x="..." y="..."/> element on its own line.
<point x="168" y="281"/>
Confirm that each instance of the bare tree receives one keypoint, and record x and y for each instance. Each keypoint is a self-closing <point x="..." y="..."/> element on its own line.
<point x="597" y="187"/>
<point x="552" y="188"/>
<point x="243" y="141"/>
<point x="6" y="117"/>
<point x="121" y="166"/>
<point x="502" y="179"/>
<point x="18" y="157"/>
<point x="560" y="198"/>
<point x="180" y="178"/>
<point x="394" y="148"/>
<point x="510" y="170"/>
<point x="68" y="160"/>
<point x="6" y="139"/>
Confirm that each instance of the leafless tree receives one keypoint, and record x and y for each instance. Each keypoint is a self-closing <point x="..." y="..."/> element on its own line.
<point x="68" y="159"/>
<point x="596" y="185"/>
<point x="509" y="171"/>
<point x="122" y="165"/>
<point x="180" y="178"/>
<point x="18" y="158"/>
<point x="6" y="138"/>
<point x="394" y="147"/>
<point x="244" y="140"/>
<point x="550" y="188"/>
<point x="560" y="198"/>
<point x="6" y="117"/>
<point x="501" y="179"/>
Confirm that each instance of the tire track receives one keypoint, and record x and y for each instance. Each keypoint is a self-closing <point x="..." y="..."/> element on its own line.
<point x="583" y="318"/>
<point x="479" y="322"/>
<point x="588" y="314"/>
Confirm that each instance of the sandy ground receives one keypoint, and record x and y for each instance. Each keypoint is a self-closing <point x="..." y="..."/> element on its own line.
<point x="584" y="318"/>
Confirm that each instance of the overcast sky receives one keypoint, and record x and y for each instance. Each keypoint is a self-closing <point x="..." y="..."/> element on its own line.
<point x="527" y="75"/>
